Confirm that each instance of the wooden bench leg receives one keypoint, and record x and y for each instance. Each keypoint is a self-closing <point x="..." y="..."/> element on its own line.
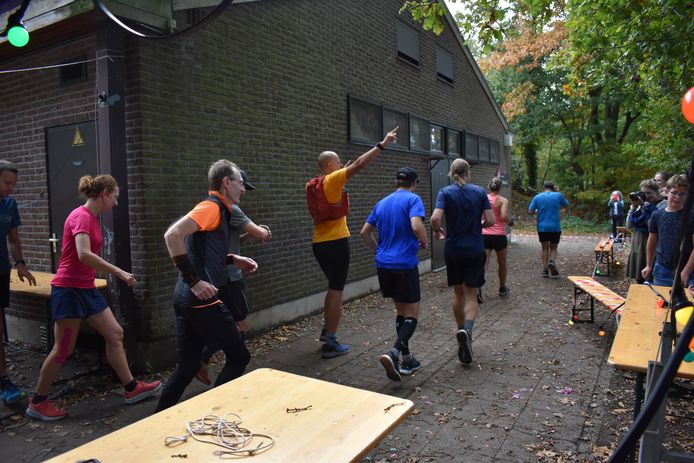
<point x="575" y="310"/>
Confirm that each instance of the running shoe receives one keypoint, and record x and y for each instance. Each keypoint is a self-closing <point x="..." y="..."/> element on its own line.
<point x="329" y="351"/>
<point x="11" y="393"/>
<point x="464" y="347"/>
<point x="504" y="291"/>
<point x="202" y="375"/>
<point x="45" y="411"/>
<point x="409" y="365"/>
<point x="545" y="273"/>
<point x="480" y="298"/>
<point x="554" y="273"/>
<point x="142" y="391"/>
<point x="390" y="361"/>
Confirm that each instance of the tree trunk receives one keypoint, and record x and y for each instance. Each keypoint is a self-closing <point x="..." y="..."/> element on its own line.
<point x="611" y="119"/>
<point x="530" y="156"/>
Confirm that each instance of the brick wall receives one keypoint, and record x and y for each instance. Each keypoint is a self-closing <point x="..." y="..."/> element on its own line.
<point x="33" y="101"/>
<point x="266" y="86"/>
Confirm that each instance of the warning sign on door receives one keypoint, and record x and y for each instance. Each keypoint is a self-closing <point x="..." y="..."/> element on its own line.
<point x="77" y="140"/>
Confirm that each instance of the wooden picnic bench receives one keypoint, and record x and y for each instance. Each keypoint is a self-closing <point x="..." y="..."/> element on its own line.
<point x="594" y="291"/>
<point x="310" y="421"/>
<point x="636" y="348"/>
<point x="42" y="291"/>
<point x="604" y="254"/>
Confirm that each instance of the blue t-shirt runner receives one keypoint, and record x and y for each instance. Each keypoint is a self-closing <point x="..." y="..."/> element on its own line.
<point x="397" y="244"/>
<point x="463" y="207"/>
<point x="548" y="204"/>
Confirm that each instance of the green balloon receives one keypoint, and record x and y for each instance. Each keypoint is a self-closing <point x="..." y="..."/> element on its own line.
<point x="18" y="36"/>
<point x="689" y="357"/>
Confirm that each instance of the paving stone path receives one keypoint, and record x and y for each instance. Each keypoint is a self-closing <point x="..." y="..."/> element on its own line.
<point x="533" y="392"/>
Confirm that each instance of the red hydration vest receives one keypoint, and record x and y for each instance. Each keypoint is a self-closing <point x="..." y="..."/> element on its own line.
<point x="319" y="206"/>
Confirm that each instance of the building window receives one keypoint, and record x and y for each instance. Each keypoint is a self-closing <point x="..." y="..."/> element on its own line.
<point x="471" y="146"/>
<point x="494" y="151"/>
<point x="364" y="121"/>
<point x="392" y="119"/>
<point x="436" y="133"/>
<point x="407" y="41"/>
<point x="453" y="142"/>
<point x="484" y="148"/>
<point x="419" y="134"/>
<point x="444" y="65"/>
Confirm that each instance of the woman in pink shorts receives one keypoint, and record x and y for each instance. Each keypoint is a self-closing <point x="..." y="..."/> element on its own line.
<point x="74" y="298"/>
<point x="495" y="236"/>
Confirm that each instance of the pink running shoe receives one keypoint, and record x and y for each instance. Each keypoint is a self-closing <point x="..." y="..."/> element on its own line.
<point x="45" y="411"/>
<point x="142" y="391"/>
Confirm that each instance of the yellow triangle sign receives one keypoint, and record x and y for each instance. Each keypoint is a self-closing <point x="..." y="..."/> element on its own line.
<point x="77" y="140"/>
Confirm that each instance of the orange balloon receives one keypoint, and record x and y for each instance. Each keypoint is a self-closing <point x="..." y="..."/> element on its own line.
<point x="688" y="105"/>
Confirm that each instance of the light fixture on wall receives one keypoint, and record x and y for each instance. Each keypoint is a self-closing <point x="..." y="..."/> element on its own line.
<point x="16" y="32"/>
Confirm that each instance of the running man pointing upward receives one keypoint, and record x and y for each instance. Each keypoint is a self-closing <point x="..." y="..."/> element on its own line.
<point x="328" y="203"/>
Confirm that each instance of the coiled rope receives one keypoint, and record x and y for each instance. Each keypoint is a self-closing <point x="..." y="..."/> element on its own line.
<point x="226" y="432"/>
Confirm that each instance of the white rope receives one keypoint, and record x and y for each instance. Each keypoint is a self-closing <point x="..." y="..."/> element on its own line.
<point x="51" y="66"/>
<point x="226" y="432"/>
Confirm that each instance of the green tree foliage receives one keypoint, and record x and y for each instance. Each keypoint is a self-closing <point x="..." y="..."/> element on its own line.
<point x="592" y="89"/>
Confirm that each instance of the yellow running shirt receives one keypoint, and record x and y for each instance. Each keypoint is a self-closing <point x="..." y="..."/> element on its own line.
<point x="330" y="230"/>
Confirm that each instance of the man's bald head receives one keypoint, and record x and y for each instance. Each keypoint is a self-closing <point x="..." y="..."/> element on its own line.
<point x="325" y="159"/>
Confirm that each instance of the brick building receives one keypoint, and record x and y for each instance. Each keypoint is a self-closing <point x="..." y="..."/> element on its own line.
<point x="268" y="84"/>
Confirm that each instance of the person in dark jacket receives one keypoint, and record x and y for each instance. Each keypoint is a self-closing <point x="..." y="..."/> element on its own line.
<point x="642" y="206"/>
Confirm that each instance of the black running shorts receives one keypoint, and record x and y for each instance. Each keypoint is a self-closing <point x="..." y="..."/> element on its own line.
<point x="464" y="269"/>
<point x="552" y="237"/>
<point x="495" y="242"/>
<point x="401" y="284"/>
<point x="333" y="258"/>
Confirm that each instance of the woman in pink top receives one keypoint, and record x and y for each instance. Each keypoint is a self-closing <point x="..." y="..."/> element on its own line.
<point x="495" y="236"/>
<point x="74" y="297"/>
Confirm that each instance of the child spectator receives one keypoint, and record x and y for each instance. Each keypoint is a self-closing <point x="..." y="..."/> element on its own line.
<point x="663" y="232"/>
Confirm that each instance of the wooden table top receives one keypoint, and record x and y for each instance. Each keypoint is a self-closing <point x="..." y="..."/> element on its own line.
<point x="343" y="423"/>
<point x="43" y="284"/>
<point x="638" y="335"/>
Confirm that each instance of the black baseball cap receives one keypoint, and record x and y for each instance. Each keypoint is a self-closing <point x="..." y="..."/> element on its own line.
<point x="407" y="173"/>
<point x="246" y="183"/>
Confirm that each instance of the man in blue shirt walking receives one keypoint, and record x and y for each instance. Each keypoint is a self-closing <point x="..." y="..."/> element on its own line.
<point x="398" y="218"/>
<point x="547" y="205"/>
<point x="9" y="233"/>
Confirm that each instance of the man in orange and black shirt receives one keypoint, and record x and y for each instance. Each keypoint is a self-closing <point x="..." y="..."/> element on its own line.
<point x="331" y="239"/>
<point x="198" y="244"/>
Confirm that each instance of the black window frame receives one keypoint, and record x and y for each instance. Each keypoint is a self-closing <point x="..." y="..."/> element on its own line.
<point x="433" y="125"/>
<point x="468" y="155"/>
<point x="440" y="70"/>
<point x="494" y="151"/>
<point x="402" y="51"/>
<point x="427" y="132"/>
<point x="379" y="129"/>
<point x="458" y="136"/>
<point x="403" y="131"/>
<point x="483" y="148"/>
